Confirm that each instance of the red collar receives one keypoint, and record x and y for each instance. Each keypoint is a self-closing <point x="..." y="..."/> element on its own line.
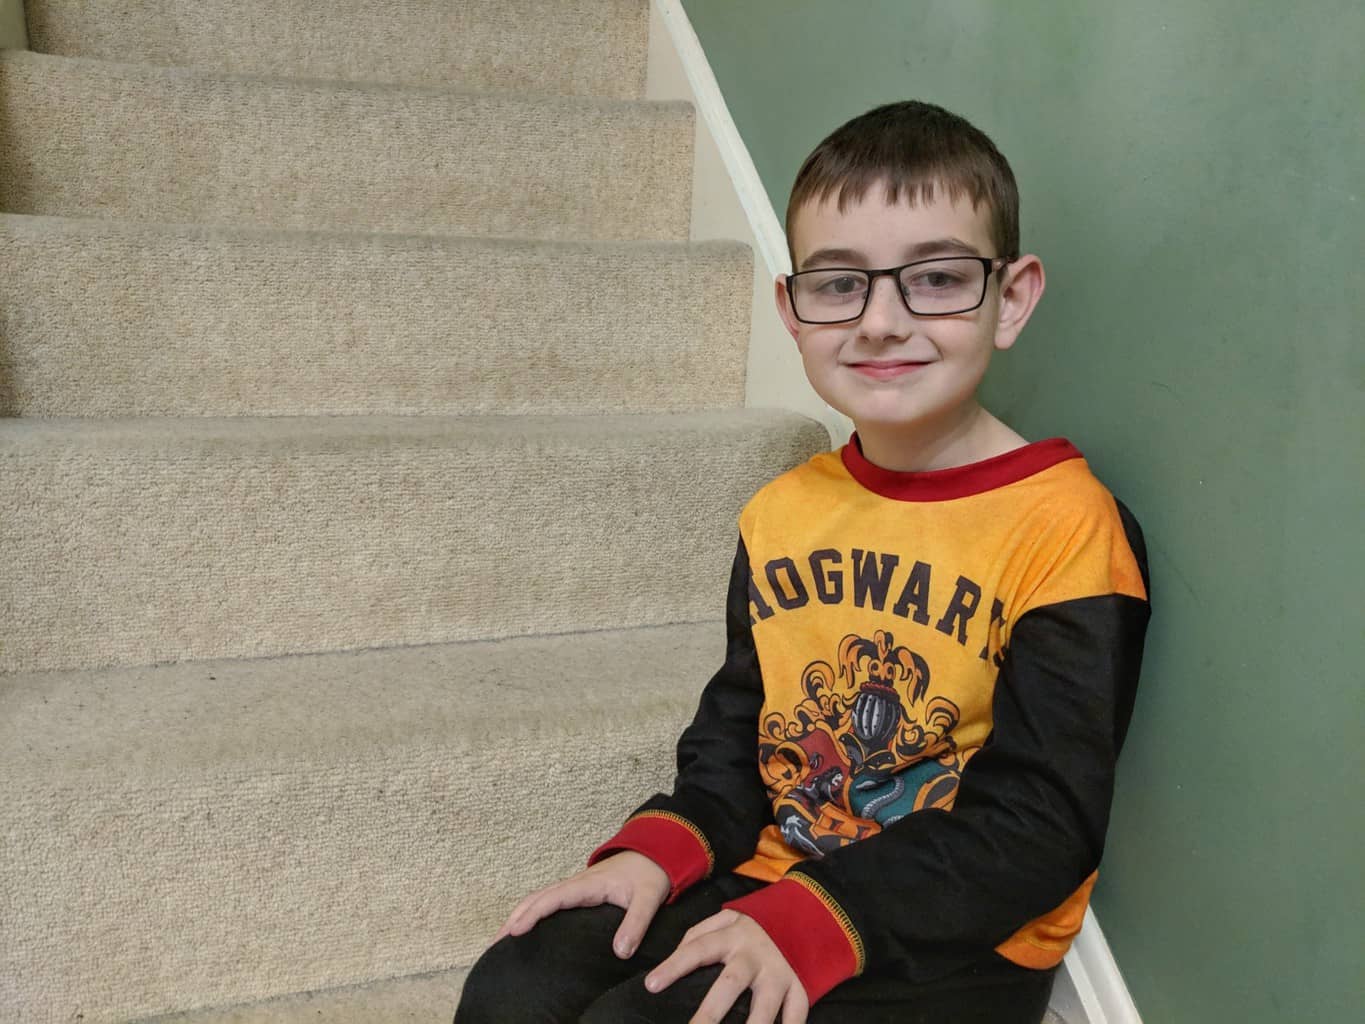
<point x="959" y="481"/>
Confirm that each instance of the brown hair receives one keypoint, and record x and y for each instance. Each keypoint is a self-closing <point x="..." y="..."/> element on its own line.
<point x="913" y="147"/>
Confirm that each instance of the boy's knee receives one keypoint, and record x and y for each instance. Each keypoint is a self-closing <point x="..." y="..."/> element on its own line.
<point x="545" y="973"/>
<point x="494" y="974"/>
<point x="505" y="987"/>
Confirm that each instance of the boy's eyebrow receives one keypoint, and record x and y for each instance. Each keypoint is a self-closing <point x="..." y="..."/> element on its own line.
<point x="834" y="257"/>
<point x="944" y="246"/>
<point x="921" y="250"/>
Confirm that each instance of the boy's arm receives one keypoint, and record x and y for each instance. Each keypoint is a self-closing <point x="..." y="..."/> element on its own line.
<point x="718" y="806"/>
<point x="939" y="888"/>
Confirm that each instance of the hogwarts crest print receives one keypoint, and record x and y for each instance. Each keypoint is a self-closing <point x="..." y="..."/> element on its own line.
<point x="866" y="746"/>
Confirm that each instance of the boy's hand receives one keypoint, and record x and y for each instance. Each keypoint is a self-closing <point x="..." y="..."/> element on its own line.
<point x="628" y="880"/>
<point x="752" y="961"/>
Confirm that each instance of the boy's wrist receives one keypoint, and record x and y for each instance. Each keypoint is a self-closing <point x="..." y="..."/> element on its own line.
<point x="810" y="929"/>
<point x="671" y="842"/>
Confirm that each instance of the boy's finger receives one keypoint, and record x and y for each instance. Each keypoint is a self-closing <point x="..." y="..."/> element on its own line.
<point x="765" y="1005"/>
<point x="549" y="901"/>
<point x="517" y="923"/>
<point x="713" y="923"/>
<point x="733" y="982"/>
<point x="795" y="1006"/>
<point x="516" y="912"/>
<point x="684" y="960"/>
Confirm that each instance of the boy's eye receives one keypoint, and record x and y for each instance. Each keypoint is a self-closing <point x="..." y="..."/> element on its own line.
<point x="934" y="279"/>
<point x="839" y="284"/>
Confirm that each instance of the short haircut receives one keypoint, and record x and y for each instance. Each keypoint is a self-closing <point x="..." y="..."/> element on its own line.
<point x="914" y="148"/>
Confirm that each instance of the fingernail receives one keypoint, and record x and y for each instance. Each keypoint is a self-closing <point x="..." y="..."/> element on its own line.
<point x="652" y="984"/>
<point x="623" y="947"/>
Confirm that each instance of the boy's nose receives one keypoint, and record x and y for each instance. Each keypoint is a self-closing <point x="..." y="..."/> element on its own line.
<point x="886" y="312"/>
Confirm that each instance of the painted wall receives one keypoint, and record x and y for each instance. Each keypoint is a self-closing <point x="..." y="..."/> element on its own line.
<point x="12" y="33"/>
<point x="1192" y="175"/>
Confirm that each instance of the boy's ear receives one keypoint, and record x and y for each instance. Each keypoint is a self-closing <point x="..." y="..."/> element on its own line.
<point x="784" y="307"/>
<point x="1021" y="287"/>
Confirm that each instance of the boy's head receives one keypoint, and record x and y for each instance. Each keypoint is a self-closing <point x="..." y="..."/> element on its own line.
<point x="916" y="150"/>
<point x="916" y="195"/>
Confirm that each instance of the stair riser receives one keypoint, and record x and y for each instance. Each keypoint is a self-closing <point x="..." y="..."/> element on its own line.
<point x="117" y="320"/>
<point x="85" y="138"/>
<point x="214" y="832"/>
<point x="143" y="896"/>
<point x="571" y="47"/>
<point x="184" y="539"/>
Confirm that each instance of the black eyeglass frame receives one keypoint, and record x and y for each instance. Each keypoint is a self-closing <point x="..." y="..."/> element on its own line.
<point x="990" y="263"/>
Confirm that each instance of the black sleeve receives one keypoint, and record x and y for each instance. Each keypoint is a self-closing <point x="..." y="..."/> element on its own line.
<point x="1027" y="828"/>
<point x="718" y="787"/>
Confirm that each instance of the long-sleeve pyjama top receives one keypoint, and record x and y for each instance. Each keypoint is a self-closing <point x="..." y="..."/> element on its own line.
<point x="928" y="677"/>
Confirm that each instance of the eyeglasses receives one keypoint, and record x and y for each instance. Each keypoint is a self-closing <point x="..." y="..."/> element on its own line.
<point x="937" y="287"/>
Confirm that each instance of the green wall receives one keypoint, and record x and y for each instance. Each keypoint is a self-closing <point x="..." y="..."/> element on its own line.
<point x="1192" y="175"/>
<point x="12" y="29"/>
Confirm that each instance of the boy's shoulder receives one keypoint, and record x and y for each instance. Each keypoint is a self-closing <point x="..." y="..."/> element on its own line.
<point x="1069" y="491"/>
<point x="823" y="473"/>
<point x="1075" y="535"/>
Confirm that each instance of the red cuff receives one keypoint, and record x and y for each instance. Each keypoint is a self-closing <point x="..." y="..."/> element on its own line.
<point x="670" y="841"/>
<point x="811" y="930"/>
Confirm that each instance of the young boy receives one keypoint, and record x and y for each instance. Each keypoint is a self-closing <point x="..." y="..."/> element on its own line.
<point x="893" y="798"/>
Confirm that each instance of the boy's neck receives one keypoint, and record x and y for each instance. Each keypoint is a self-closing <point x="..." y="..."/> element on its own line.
<point x="972" y="435"/>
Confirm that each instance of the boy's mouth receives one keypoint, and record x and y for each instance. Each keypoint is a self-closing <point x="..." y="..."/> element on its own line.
<point x="886" y="369"/>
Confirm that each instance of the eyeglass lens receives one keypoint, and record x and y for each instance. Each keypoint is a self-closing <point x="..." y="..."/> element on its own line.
<point x="936" y="287"/>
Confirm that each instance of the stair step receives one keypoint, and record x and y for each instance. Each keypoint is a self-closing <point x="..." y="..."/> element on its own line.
<point x="212" y="833"/>
<point x="99" y="139"/>
<point x="421" y="999"/>
<point x="112" y="318"/>
<point x="575" y="47"/>
<point x="145" y="540"/>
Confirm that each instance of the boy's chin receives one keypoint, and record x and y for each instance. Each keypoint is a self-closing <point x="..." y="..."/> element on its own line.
<point x="911" y="417"/>
<point x="887" y="422"/>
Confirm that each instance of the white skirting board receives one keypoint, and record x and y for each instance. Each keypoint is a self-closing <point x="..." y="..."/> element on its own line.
<point x="1090" y="989"/>
<point x="730" y="201"/>
<point x="714" y="115"/>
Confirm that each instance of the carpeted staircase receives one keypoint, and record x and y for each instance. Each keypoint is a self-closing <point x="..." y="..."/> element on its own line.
<point x="373" y="438"/>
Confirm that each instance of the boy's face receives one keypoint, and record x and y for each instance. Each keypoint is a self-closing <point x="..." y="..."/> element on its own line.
<point x="892" y="370"/>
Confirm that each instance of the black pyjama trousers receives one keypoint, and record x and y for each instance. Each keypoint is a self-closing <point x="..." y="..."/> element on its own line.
<point x="564" y="970"/>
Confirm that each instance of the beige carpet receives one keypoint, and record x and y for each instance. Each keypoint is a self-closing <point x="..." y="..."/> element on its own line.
<point x="225" y="831"/>
<point x="422" y="999"/>
<point x="566" y="47"/>
<point x="368" y="426"/>
<point x="100" y="139"/>
<point x="240" y="322"/>
<point x="370" y="434"/>
<point x="142" y="540"/>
